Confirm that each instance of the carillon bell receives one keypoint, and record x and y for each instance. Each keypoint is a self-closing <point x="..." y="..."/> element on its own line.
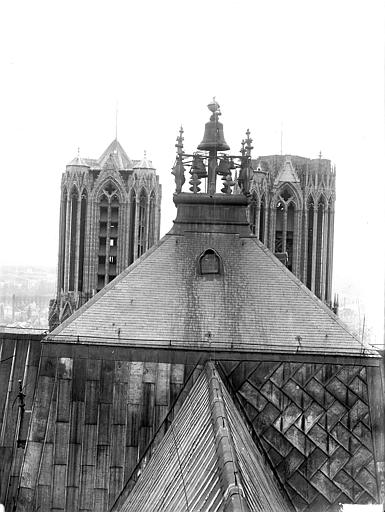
<point x="198" y="167"/>
<point x="225" y="166"/>
<point x="213" y="138"/>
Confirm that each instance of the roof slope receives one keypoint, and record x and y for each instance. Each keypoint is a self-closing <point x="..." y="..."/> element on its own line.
<point x="115" y="149"/>
<point x="254" y="304"/>
<point x="212" y="462"/>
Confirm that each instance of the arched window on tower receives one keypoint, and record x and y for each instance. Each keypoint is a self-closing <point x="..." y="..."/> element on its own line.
<point x="83" y="217"/>
<point x="328" y="253"/>
<point x="151" y="220"/>
<point x="132" y="227"/>
<point x="309" y="258"/>
<point x="142" y="223"/>
<point x="73" y="236"/>
<point x="284" y="225"/>
<point x="262" y="217"/>
<point x="320" y="243"/>
<point x="109" y="204"/>
<point x="63" y="231"/>
<point x="253" y="211"/>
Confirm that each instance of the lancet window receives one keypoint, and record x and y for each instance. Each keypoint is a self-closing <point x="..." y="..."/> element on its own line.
<point x="320" y="244"/>
<point x="284" y="225"/>
<point x="253" y="214"/>
<point x="142" y="217"/>
<point x="63" y="230"/>
<point x="262" y="217"/>
<point x="73" y="235"/>
<point x="151" y="220"/>
<point x="328" y="252"/>
<point x="132" y="226"/>
<point x="310" y="244"/>
<point x="109" y="204"/>
<point x="83" y="218"/>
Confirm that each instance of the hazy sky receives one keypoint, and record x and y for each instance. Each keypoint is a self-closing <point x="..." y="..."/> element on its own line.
<point x="316" y="67"/>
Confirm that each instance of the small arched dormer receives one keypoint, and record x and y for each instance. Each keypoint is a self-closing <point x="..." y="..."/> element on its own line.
<point x="210" y="263"/>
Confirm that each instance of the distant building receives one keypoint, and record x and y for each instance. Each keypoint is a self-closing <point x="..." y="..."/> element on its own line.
<point x="292" y="213"/>
<point x="109" y="216"/>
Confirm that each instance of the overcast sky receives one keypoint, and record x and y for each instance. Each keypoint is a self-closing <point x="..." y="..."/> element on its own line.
<point x="314" y="67"/>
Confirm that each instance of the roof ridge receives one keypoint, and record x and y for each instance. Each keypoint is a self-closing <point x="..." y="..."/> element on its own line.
<point x="225" y="449"/>
<point x="203" y="424"/>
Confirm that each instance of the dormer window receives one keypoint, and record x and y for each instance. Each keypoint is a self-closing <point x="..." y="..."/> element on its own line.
<point x="209" y="263"/>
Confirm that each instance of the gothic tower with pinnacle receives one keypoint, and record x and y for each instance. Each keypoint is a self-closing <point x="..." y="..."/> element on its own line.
<point x="109" y="216"/>
<point x="292" y="212"/>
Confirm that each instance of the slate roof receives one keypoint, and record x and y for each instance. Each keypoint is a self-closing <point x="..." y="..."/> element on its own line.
<point x="120" y="156"/>
<point x="255" y="304"/>
<point x="78" y="161"/>
<point x="212" y="462"/>
<point x="145" y="163"/>
<point x="287" y="173"/>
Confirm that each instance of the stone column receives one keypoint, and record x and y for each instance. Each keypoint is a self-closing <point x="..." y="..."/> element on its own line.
<point x="296" y="241"/>
<point x="136" y="225"/>
<point x="77" y="244"/>
<point x="88" y="233"/>
<point x="122" y="238"/>
<point x="62" y="240"/>
<point x="314" y="249"/>
<point x="284" y="229"/>
<point x="257" y="219"/>
<point x="107" y="262"/>
<point x="147" y="226"/>
<point x="304" y="247"/>
<point x="271" y="238"/>
<point x="330" y="253"/>
<point x="67" y="244"/>
<point x="324" y="253"/>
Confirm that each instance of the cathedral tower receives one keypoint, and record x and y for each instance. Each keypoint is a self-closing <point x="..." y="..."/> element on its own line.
<point x="292" y="213"/>
<point x="109" y="216"/>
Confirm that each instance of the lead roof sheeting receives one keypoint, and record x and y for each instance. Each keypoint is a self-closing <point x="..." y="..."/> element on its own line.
<point x="189" y="449"/>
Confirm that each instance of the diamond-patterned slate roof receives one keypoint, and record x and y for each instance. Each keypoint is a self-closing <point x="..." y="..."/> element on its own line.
<point x="254" y="304"/>
<point x="212" y="462"/>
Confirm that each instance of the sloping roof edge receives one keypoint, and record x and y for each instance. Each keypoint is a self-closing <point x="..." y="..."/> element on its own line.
<point x="315" y="299"/>
<point x="104" y="290"/>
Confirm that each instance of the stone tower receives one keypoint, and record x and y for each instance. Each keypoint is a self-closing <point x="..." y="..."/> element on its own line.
<point x="109" y="216"/>
<point x="292" y="213"/>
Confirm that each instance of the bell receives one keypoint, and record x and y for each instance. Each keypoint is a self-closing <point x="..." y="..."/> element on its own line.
<point x="223" y="168"/>
<point x="198" y="167"/>
<point x="213" y="138"/>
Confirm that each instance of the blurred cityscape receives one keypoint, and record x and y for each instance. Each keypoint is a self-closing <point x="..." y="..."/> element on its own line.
<point x="25" y="293"/>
